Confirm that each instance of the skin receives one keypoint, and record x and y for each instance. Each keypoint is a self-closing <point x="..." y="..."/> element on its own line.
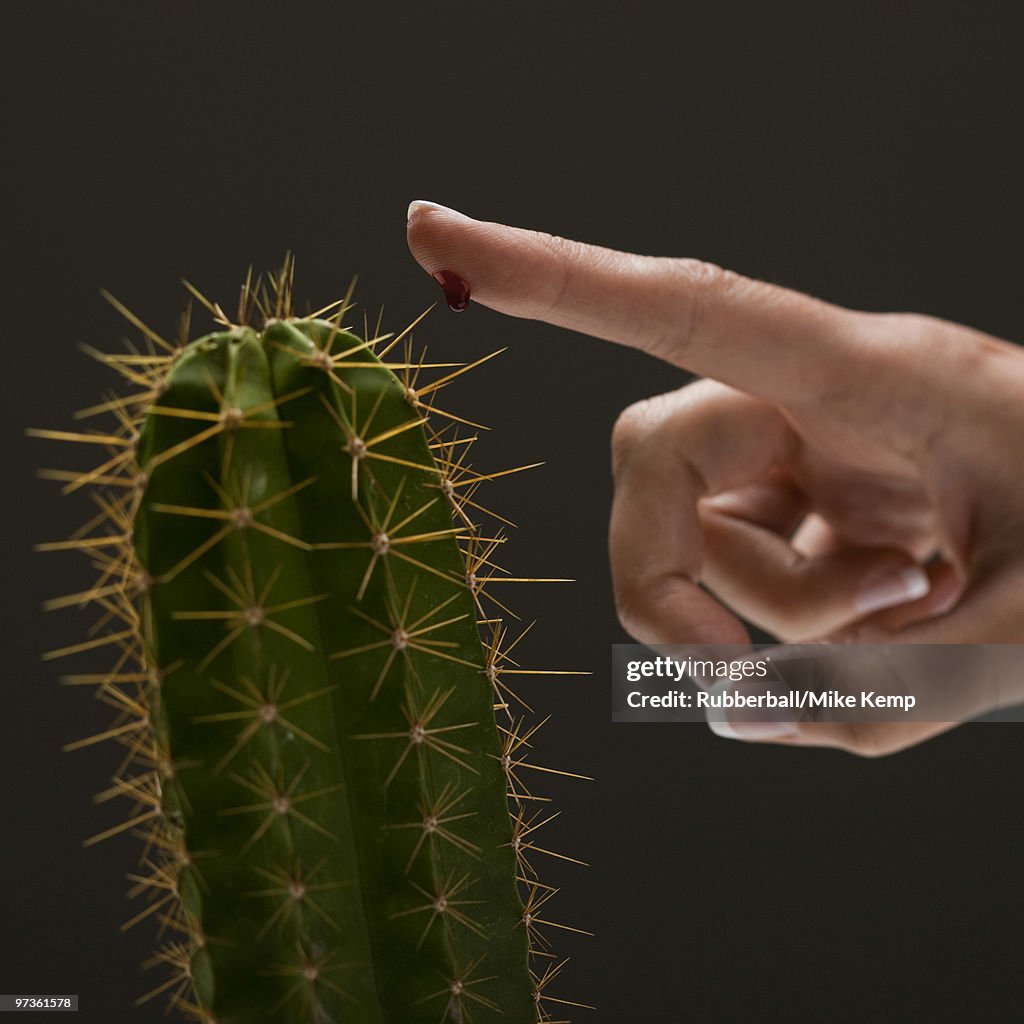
<point x="828" y="457"/>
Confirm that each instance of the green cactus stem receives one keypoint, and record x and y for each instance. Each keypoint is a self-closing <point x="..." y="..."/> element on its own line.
<point x="323" y="752"/>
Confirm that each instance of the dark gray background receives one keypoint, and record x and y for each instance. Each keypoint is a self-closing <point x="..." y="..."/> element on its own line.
<point x="864" y="152"/>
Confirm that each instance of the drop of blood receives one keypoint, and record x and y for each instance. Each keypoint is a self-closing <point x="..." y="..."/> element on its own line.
<point x="456" y="291"/>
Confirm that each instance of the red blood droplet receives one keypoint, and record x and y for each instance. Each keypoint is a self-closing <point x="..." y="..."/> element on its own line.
<point x="456" y="291"/>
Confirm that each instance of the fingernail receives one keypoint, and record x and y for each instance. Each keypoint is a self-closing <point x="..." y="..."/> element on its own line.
<point x="721" y="726"/>
<point x="889" y="588"/>
<point x="749" y="730"/>
<point x="418" y="206"/>
<point x="751" y="723"/>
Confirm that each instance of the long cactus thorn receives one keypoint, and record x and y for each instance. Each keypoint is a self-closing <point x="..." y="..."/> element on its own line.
<point x="551" y="972"/>
<point x="312" y="972"/>
<point x="522" y="828"/>
<point x="279" y="801"/>
<point x="420" y="736"/>
<point x="402" y="636"/>
<point x="294" y="892"/>
<point x="443" y="904"/>
<point x="263" y="708"/>
<point x="459" y="987"/>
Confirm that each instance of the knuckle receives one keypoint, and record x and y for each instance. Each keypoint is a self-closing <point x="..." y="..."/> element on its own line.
<point x="928" y="359"/>
<point x="638" y="599"/>
<point x="704" y="278"/>
<point x="629" y="607"/>
<point x="625" y="609"/>
<point x="660" y="418"/>
<point x="563" y="257"/>
<point x="919" y="342"/>
<point x="909" y="328"/>
<point x="566" y="249"/>
<point x="631" y="425"/>
<point x="703" y="283"/>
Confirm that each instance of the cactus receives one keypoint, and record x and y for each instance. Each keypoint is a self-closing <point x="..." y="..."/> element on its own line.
<point x="323" y="757"/>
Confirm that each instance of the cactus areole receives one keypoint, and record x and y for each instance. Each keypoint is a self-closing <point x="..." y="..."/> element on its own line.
<point x="324" y="759"/>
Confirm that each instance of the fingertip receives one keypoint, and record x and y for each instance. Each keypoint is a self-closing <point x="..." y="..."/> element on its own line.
<point x="504" y="267"/>
<point x="427" y="225"/>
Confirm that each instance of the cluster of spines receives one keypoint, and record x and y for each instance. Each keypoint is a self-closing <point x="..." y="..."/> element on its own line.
<point x="132" y="685"/>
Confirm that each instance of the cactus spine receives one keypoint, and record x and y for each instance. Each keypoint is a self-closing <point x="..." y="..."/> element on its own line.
<point x="324" y="757"/>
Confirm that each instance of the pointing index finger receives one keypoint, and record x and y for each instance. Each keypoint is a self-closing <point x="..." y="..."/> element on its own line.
<point x="762" y="339"/>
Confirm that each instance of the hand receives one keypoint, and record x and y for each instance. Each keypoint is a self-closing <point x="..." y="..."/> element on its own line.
<point x="840" y="476"/>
